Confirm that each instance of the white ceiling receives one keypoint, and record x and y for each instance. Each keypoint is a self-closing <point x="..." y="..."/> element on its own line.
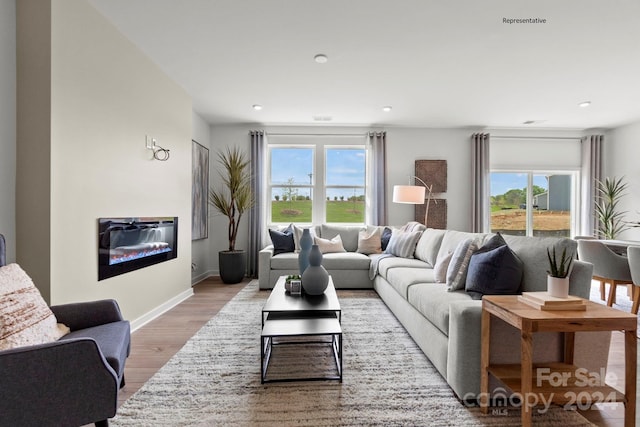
<point x="439" y="64"/>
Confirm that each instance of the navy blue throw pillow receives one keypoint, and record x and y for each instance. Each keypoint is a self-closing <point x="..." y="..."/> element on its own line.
<point x="494" y="272"/>
<point x="384" y="239"/>
<point x="282" y="241"/>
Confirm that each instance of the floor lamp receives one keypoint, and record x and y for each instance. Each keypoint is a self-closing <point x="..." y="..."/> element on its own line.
<point x="414" y="194"/>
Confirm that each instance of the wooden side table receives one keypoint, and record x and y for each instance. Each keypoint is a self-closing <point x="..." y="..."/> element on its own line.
<point x="561" y="382"/>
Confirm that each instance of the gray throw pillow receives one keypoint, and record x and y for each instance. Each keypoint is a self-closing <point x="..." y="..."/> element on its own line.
<point x="457" y="270"/>
<point x="494" y="272"/>
<point x="403" y="243"/>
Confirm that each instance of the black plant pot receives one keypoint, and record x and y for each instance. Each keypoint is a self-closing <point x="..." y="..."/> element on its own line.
<point x="233" y="266"/>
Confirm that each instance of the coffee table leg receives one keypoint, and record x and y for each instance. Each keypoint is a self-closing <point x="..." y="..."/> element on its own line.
<point x="630" y="367"/>
<point x="526" y="360"/>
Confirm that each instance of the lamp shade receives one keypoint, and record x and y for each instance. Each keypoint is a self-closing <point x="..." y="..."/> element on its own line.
<point x="408" y="194"/>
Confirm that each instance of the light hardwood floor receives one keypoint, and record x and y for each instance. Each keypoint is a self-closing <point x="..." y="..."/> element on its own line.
<point x="156" y="342"/>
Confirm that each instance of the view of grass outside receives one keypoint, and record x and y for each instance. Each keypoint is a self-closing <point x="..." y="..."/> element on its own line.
<point x="343" y="211"/>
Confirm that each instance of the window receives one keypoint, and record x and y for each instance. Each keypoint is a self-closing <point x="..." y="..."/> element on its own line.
<point x="533" y="203"/>
<point x="317" y="180"/>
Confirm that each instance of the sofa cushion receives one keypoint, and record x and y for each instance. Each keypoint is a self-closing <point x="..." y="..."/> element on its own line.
<point x="403" y="243"/>
<point x="369" y="241"/>
<point x="494" y="272"/>
<point x="346" y="261"/>
<point x="282" y="240"/>
<point x="433" y="300"/>
<point x="327" y="246"/>
<point x="404" y="277"/>
<point x="452" y="238"/>
<point x="25" y="318"/>
<point x="285" y="261"/>
<point x="110" y="338"/>
<point x="459" y="264"/>
<point x="429" y="245"/>
<point x="532" y="251"/>
<point x="387" y="263"/>
<point x="348" y="234"/>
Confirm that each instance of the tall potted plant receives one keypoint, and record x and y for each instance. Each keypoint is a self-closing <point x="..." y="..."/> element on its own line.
<point x="232" y="199"/>
<point x="610" y="218"/>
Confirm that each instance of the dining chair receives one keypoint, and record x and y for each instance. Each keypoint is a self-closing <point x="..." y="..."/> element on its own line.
<point x="633" y="252"/>
<point x="602" y="288"/>
<point x="608" y="267"/>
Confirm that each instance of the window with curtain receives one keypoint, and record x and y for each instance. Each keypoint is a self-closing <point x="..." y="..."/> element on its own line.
<point x="534" y="186"/>
<point x="317" y="179"/>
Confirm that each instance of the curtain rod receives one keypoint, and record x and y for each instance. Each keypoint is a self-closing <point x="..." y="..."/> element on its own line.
<point x="534" y="137"/>
<point x="316" y="134"/>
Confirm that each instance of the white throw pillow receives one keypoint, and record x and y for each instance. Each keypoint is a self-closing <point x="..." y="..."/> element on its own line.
<point x="370" y="243"/>
<point x="297" y="234"/>
<point x="328" y="246"/>
<point x="457" y="270"/>
<point x="25" y="318"/>
<point x="440" y="269"/>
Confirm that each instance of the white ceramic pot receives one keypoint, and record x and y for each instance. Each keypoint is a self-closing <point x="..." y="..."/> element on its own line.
<point x="558" y="286"/>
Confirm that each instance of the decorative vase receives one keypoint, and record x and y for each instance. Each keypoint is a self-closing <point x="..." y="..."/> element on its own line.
<point x="315" y="278"/>
<point x="558" y="286"/>
<point x="305" y="247"/>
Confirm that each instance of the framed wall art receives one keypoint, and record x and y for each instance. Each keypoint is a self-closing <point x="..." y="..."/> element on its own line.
<point x="199" y="191"/>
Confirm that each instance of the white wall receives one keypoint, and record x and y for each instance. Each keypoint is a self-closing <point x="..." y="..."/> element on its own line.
<point x="201" y="249"/>
<point x="105" y="97"/>
<point x="8" y="125"/>
<point x="622" y="158"/>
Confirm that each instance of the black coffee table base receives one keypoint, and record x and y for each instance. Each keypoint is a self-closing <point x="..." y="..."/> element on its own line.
<point x="311" y="328"/>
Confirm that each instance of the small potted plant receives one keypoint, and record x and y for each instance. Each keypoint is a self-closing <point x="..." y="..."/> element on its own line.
<point x="558" y="273"/>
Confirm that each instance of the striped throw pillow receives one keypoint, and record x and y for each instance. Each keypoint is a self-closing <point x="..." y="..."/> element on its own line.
<point x="403" y="243"/>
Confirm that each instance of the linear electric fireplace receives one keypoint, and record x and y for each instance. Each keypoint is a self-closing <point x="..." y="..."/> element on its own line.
<point x="127" y="244"/>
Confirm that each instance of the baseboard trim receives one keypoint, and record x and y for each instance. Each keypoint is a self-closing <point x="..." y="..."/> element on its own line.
<point x="159" y="310"/>
<point x="200" y="277"/>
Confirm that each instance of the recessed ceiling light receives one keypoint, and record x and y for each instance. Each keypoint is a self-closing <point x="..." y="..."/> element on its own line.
<point x="257" y="107"/>
<point x="584" y="104"/>
<point x="322" y="118"/>
<point x="387" y="108"/>
<point x="320" y="58"/>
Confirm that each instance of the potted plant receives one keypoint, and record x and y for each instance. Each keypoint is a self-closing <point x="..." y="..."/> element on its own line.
<point x="610" y="222"/>
<point x="558" y="274"/>
<point x="232" y="199"/>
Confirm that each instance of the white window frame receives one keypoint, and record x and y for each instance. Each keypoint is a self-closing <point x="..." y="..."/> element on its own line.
<point x="575" y="194"/>
<point x="318" y="182"/>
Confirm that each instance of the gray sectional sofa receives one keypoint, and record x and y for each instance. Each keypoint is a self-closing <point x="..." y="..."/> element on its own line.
<point x="446" y="324"/>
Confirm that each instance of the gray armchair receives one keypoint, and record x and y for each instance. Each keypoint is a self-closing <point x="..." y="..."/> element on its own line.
<point x="633" y="252"/>
<point x="70" y="382"/>
<point x="608" y="266"/>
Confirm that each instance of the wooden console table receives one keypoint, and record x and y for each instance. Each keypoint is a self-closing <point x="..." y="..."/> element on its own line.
<point x="560" y="382"/>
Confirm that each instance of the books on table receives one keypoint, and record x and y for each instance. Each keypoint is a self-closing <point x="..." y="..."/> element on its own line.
<point x="543" y="301"/>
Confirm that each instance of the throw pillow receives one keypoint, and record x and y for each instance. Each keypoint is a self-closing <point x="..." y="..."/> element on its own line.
<point x="494" y="242"/>
<point x="403" y="243"/>
<point x="384" y="239"/>
<point x="370" y="243"/>
<point x="495" y="272"/>
<point x="25" y="318"/>
<point x="329" y="246"/>
<point x="457" y="270"/>
<point x="282" y="240"/>
<point x="440" y="269"/>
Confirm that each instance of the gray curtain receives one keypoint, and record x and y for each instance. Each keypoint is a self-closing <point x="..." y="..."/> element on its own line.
<point x="256" y="214"/>
<point x="377" y="144"/>
<point x="480" y="177"/>
<point x="591" y="173"/>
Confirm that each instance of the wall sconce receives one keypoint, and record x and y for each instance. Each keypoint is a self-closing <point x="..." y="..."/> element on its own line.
<point x="159" y="153"/>
<point x="414" y="194"/>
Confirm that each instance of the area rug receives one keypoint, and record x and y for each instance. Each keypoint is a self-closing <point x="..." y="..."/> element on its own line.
<point x="215" y="379"/>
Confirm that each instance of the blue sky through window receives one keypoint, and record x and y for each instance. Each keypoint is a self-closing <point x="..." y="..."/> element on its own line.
<point x="503" y="182"/>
